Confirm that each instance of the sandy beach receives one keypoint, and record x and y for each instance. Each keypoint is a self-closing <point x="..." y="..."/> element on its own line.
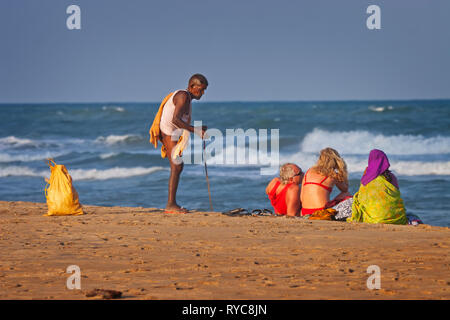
<point x="148" y="254"/>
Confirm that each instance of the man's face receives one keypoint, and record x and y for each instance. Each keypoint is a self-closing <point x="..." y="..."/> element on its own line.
<point x="198" y="90"/>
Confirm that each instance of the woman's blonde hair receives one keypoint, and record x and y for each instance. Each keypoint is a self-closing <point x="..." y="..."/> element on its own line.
<point x="331" y="164"/>
<point x="286" y="172"/>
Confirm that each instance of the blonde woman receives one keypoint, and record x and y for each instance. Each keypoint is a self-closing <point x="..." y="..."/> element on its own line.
<point x="284" y="192"/>
<point x="318" y="182"/>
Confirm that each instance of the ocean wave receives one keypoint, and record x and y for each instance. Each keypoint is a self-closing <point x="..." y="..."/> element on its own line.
<point x="361" y="142"/>
<point x="404" y="168"/>
<point x="4" y="157"/>
<point x="81" y="174"/>
<point x="358" y="165"/>
<point x="113" y="108"/>
<point x="116" y="139"/>
<point x="108" y="155"/>
<point x="417" y="168"/>
<point x="13" y="142"/>
<point x="248" y="174"/>
<point x="380" y="109"/>
<point x="227" y="156"/>
<point x="113" y="173"/>
<point x="16" y="171"/>
<point x="42" y="156"/>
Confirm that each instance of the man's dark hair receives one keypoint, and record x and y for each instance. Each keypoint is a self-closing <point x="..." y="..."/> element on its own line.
<point x="198" y="77"/>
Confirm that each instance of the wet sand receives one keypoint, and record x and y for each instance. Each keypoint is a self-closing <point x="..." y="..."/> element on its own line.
<point x="148" y="254"/>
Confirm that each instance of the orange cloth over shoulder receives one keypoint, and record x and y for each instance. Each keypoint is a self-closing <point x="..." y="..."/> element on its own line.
<point x="155" y="132"/>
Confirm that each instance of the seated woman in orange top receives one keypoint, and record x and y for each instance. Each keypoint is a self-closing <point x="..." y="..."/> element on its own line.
<point x="284" y="192"/>
<point x="318" y="181"/>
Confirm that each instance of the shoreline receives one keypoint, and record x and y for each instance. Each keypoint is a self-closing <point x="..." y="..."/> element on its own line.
<point x="148" y="254"/>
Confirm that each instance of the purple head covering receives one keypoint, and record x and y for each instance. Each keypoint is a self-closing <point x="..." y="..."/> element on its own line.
<point x="378" y="163"/>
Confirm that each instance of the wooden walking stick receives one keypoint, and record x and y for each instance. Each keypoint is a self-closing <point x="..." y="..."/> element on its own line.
<point x="207" y="178"/>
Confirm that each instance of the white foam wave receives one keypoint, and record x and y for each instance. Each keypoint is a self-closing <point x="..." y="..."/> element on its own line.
<point x="81" y="174"/>
<point x="16" y="171"/>
<point x="358" y="165"/>
<point x="417" y="168"/>
<point x="228" y="156"/>
<point x="114" y="108"/>
<point x="361" y="142"/>
<point x="380" y="109"/>
<point x="404" y="168"/>
<point x="115" y="139"/>
<point x="13" y="141"/>
<point x="108" y="155"/>
<point x="4" y="157"/>
<point x="113" y="173"/>
<point x="356" y="159"/>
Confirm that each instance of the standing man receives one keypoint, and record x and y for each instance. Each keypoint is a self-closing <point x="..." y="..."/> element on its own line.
<point x="175" y="115"/>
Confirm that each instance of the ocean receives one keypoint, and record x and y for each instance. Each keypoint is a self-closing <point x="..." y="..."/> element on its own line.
<point x="106" y="148"/>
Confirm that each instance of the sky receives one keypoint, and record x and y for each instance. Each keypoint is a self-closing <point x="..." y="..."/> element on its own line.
<point x="250" y="50"/>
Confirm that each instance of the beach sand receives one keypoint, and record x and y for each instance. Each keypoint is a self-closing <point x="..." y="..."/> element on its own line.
<point x="148" y="254"/>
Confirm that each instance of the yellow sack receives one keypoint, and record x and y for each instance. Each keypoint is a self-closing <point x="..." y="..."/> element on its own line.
<point x="62" y="198"/>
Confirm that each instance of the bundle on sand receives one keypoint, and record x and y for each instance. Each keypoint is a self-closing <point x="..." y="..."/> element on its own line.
<point x="62" y="198"/>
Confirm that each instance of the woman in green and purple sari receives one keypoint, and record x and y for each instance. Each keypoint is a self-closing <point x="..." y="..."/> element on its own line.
<point x="378" y="199"/>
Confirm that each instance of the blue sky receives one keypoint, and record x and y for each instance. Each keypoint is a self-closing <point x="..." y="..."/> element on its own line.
<point x="250" y="50"/>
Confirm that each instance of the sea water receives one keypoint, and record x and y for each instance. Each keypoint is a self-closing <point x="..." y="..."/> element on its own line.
<point x="106" y="150"/>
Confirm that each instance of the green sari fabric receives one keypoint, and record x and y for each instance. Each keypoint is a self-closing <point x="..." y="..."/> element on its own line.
<point x="378" y="202"/>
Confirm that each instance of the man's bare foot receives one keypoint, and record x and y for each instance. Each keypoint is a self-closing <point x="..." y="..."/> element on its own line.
<point x="175" y="209"/>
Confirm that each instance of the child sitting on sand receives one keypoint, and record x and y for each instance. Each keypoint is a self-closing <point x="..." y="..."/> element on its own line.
<point x="378" y="199"/>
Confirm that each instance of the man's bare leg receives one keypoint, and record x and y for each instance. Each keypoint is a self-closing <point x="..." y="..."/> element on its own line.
<point x="175" y="172"/>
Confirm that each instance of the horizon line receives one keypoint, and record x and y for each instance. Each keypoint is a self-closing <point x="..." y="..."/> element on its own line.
<point x="230" y="101"/>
